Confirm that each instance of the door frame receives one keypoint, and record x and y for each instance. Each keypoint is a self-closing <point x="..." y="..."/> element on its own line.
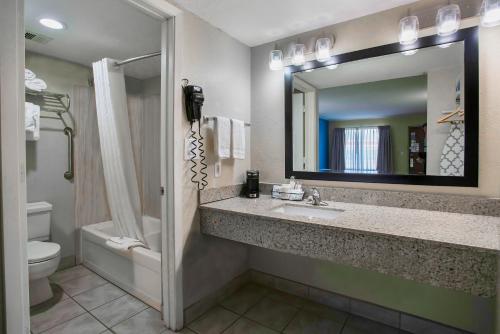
<point x="13" y="168"/>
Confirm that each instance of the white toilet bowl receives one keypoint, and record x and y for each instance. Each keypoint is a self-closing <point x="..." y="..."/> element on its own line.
<point x="43" y="260"/>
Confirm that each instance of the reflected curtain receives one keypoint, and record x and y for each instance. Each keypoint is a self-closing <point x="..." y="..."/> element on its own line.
<point x="361" y="145"/>
<point x="337" y="162"/>
<point x="384" y="156"/>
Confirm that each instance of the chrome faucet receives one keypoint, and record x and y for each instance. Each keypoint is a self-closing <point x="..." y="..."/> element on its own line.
<point x="316" y="197"/>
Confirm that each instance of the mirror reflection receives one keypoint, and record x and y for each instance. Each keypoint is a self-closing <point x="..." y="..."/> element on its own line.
<point x="395" y="114"/>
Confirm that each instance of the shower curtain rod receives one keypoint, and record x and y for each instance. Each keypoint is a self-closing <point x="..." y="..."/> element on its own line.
<point x="126" y="61"/>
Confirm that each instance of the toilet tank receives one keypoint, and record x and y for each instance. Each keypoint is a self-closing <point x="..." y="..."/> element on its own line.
<point x="39" y="220"/>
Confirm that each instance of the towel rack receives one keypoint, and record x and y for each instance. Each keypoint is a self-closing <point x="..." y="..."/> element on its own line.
<point x="207" y="119"/>
<point x="59" y="104"/>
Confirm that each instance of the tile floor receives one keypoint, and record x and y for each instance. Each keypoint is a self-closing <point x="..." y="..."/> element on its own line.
<point x="85" y="303"/>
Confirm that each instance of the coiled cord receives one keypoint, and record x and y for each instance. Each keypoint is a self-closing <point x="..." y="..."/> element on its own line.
<point x="193" y="140"/>
<point x="203" y="169"/>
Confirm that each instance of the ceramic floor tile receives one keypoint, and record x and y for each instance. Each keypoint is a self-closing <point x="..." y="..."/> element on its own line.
<point x="243" y="299"/>
<point x="246" y="326"/>
<point x="70" y="274"/>
<point x="83" y="324"/>
<point x="358" y="325"/>
<point x="147" y="322"/>
<point x="118" y="310"/>
<point x="214" y="321"/>
<point x="326" y="312"/>
<point x="63" y="311"/>
<point x="272" y="313"/>
<point x="81" y="284"/>
<point x="101" y="295"/>
<point x="287" y="298"/>
<point x="310" y="323"/>
<point x="184" y="331"/>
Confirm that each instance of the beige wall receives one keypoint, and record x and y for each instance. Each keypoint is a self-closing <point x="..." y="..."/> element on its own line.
<point x="268" y="156"/>
<point x="47" y="158"/>
<point x="268" y="101"/>
<point x="221" y="65"/>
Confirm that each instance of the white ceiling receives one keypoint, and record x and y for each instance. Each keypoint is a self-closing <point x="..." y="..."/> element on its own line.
<point x="96" y="29"/>
<point x="255" y="22"/>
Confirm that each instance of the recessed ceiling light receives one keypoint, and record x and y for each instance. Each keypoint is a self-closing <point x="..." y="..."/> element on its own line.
<point x="52" y="24"/>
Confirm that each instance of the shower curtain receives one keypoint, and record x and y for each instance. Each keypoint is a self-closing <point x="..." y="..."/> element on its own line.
<point x="116" y="149"/>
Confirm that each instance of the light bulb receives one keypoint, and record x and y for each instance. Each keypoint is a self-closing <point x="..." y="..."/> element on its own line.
<point x="444" y="46"/>
<point x="408" y="30"/>
<point x="276" y="60"/>
<point x="409" y="52"/>
<point x="332" y="67"/>
<point x="490" y="13"/>
<point x="323" y="47"/>
<point x="298" y="58"/>
<point x="448" y="20"/>
<point x="52" y="24"/>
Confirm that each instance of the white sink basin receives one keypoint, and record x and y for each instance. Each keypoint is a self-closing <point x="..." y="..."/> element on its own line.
<point x="307" y="211"/>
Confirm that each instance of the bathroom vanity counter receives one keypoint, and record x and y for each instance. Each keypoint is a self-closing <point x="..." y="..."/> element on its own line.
<point x="457" y="251"/>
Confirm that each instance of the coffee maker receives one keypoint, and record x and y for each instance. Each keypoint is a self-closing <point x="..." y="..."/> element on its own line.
<point x="252" y="188"/>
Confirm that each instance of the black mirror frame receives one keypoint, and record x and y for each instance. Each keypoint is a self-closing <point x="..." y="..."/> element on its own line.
<point x="471" y="95"/>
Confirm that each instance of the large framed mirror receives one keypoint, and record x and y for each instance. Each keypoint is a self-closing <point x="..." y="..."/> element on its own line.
<point x="389" y="114"/>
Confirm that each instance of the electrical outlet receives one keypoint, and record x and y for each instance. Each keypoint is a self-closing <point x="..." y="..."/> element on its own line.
<point x="218" y="169"/>
<point x="191" y="145"/>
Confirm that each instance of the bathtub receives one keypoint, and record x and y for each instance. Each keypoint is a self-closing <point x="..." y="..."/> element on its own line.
<point x="137" y="271"/>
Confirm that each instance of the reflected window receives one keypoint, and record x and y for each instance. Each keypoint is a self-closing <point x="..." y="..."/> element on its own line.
<point x="361" y="149"/>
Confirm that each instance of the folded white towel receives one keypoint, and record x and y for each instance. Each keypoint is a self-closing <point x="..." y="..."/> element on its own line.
<point x="124" y="243"/>
<point x="28" y="74"/>
<point x="32" y="121"/>
<point x="238" y="139"/>
<point x="222" y="137"/>
<point x="36" y="84"/>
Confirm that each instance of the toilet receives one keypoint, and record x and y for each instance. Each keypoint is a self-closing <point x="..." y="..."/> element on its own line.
<point x="43" y="256"/>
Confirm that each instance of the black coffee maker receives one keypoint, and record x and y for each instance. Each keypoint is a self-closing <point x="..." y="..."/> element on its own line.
<point x="252" y="189"/>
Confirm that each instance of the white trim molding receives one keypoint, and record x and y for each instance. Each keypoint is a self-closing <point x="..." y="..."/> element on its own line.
<point x="13" y="166"/>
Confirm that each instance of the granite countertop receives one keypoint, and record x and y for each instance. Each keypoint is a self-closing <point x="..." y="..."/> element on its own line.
<point x="463" y="231"/>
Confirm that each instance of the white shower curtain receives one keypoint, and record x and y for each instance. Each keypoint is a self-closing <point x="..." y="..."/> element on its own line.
<point x="116" y="149"/>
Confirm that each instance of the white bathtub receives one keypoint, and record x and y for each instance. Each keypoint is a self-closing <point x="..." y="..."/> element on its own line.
<point x="137" y="271"/>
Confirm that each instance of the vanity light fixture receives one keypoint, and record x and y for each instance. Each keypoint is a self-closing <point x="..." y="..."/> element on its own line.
<point x="490" y="13"/>
<point x="409" y="52"/>
<point x="298" y="58"/>
<point x="448" y="20"/>
<point x="323" y="49"/>
<point x="408" y="30"/>
<point x="276" y="60"/>
<point x="52" y="24"/>
<point x="332" y="67"/>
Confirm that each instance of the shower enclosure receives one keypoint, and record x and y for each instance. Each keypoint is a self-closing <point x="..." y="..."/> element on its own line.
<point x="127" y="114"/>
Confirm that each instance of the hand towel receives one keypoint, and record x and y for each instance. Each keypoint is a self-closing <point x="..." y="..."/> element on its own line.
<point x="238" y="138"/>
<point x="36" y="84"/>
<point x="124" y="243"/>
<point x="32" y="121"/>
<point x="222" y="137"/>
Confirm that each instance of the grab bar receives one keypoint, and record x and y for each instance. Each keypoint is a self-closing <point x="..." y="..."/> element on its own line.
<point x="69" y="174"/>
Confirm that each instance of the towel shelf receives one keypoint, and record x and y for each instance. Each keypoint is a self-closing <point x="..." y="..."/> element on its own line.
<point x="59" y="104"/>
<point x="207" y="119"/>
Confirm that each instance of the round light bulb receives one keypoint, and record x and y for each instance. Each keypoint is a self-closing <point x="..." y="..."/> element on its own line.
<point x="490" y="13"/>
<point x="409" y="52"/>
<point x="408" y="30"/>
<point x="323" y="49"/>
<point x="448" y="20"/>
<point x="298" y="58"/>
<point x="276" y="60"/>
<point x="52" y="24"/>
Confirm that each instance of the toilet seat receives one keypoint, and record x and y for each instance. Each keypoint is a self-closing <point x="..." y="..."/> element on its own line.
<point x="39" y="251"/>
